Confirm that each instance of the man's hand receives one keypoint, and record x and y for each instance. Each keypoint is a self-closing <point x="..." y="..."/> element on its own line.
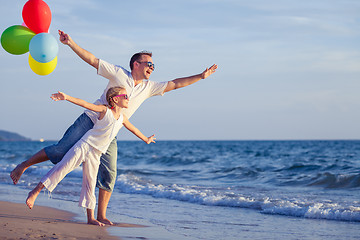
<point x="87" y="56"/>
<point x="209" y="71"/>
<point x="64" y="38"/>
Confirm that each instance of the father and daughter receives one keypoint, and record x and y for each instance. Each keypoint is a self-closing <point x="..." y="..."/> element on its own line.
<point x="87" y="151"/>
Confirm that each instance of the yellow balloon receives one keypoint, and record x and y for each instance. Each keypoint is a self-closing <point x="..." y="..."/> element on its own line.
<point x="42" y="68"/>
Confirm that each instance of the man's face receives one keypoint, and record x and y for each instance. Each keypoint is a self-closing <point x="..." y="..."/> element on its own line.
<point x="144" y="69"/>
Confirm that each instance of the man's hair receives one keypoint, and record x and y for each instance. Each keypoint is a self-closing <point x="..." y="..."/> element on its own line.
<point x="112" y="92"/>
<point x="137" y="57"/>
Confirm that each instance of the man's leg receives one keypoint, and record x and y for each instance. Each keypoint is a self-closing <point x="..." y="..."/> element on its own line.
<point x="56" y="152"/>
<point x="104" y="198"/>
<point x="106" y="180"/>
<point x="20" y="169"/>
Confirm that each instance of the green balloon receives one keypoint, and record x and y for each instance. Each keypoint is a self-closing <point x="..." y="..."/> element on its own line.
<point x="16" y="39"/>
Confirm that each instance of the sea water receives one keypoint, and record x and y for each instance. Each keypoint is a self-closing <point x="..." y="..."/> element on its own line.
<point x="221" y="189"/>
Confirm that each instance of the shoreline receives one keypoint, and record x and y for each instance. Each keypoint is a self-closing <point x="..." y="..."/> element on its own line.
<point x="20" y="222"/>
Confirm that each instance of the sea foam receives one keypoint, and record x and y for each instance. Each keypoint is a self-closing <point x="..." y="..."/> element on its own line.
<point x="296" y="207"/>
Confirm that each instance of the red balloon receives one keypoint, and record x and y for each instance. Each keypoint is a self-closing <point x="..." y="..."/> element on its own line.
<point x="37" y="15"/>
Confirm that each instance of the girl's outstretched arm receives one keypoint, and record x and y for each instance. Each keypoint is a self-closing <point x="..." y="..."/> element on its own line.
<point x="137" y="132"/>
<point x="82" y="103"/>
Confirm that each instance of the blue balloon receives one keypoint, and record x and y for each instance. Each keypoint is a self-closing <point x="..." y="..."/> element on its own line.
<point x="43" y="47"/>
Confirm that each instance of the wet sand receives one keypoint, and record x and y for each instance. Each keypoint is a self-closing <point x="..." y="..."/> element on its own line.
<point x="17" y="221"/>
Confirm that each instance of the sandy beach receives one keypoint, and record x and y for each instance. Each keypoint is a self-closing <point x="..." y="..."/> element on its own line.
<point x="19" y="222"/>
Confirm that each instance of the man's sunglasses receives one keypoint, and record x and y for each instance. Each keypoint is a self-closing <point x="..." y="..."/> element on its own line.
<point x="149" y="64"/>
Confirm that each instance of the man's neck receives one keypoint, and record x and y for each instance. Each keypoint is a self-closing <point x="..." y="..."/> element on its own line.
<point x="136" y="79"/>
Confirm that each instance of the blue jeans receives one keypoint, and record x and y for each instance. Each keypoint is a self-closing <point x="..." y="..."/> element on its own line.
<point x="107" y="170"/>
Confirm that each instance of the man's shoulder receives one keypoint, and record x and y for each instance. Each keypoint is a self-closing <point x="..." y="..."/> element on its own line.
<point x="157" y="88"/>
<point x="155" y="83"/>
<point x="149" y="83"/>
<point x="115" y="66"/>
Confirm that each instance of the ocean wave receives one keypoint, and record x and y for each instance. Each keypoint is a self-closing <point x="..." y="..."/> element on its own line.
<point x="297" y="207"/>
<point x="329" y="180"/>
<point x="7" y="156"/>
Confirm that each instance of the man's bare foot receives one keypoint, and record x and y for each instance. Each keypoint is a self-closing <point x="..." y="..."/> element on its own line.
<point x="105" y="221"/>
<point x="38" y="157"/>
<point x="95" y="222"/>
<point x="17" y="172"/>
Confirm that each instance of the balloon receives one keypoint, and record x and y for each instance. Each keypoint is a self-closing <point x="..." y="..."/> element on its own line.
<point x="37" y="15"/>
<point x="16" y="39"/>
<point x="42" y="68"/>
<point x="43" y="47"/>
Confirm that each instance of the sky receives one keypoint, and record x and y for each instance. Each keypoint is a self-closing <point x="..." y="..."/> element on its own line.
<point x="287" y="69"/>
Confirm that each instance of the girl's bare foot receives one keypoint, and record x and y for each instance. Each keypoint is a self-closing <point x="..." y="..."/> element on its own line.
<point x="31" y="198"/>
<point x="105" y="221"/>
<point x="17" y="172"/>
<point x="33" y="195"/>
<point x="95" y="222"/>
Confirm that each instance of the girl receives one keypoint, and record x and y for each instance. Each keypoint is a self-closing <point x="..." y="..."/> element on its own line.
<point x="89" y="148"/>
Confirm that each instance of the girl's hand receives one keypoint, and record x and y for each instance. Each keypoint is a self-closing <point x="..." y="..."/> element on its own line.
<point x="58" y="96"/>
<point x="151" y="139"/>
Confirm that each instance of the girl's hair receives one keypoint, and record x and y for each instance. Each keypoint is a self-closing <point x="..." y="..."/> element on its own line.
<point x="112" y="92"/>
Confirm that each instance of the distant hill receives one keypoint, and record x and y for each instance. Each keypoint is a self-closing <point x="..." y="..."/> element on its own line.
<point x="10" y="136"/>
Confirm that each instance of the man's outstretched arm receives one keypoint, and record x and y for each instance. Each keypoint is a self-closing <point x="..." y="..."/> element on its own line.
<point x="82" y="53"/>
<point x="186" y="81"/>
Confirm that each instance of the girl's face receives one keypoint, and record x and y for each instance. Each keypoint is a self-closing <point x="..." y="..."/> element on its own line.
<point x="122" y="99"/>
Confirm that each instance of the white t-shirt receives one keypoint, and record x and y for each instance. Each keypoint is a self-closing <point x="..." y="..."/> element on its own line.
<point x="118" y="76"/>
<point x="104" y="131"/>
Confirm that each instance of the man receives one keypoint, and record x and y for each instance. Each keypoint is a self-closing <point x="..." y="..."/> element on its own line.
<point x="138" y="88"/>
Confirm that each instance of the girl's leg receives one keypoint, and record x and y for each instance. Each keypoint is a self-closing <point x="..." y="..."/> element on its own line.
<point x="33" y="195"/>
<point x="87" y="196"/>
<point x="90" y="168"/>
<point x="72" y="159"/>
